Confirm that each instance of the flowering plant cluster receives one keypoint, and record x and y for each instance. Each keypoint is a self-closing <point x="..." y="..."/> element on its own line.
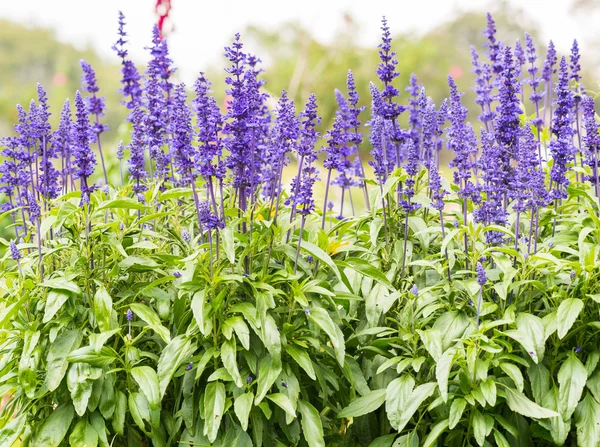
<point x="199" y="300"/>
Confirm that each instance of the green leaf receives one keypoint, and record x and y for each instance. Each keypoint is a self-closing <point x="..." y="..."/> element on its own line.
<point x="365" y="268"/>
<point x="302" y="358"/>
<point x="572" y="377"/>
<point x="139" y="409"/>
<point x="364" y="404"/>
<point x="397" y="394"/>
<point x="417" y="397"/>
<point x="228" y="243"/>
<point x="435" y="433"/>
<point x="123" y="203"/>
<point x="532" y="327"/>
<point x="539" y="377"/>
<point x="147" y="380"/>
<point x="312" y="428"/>
<point x="138" y="264"/>
<point x="283" y="402"/>
<point x="479" y="427"/>
<point x="199" y="311"/>
<point x="322" y="319"/>
<point x="83" y="435"/>
<point x="587" y="415"/>
<point x="456" y="411"/>
<point x="12" y="431"/>
<point x="325" y="259"/>
<point x="519" y="403"/>
<point x="384" y="441"/>
<point x="151" y="319"/>
<point x="568" y="311"/>
<point x="514" y="373"/>
<point x="268" y="372"/>
<point x="80" y="383"/>
<point x="52" y="431"/>
<point x="442" y="371"/>
<point x="103" y="308"/>
<point x="58" y="352"/>
<point x="100" y="426"/>
<point x="501" y="441"/>
<point x="62" y="284"/>
<point x="118" y="421"/>
<point x="228" y="356"/>
<point x="409" y="440"/>
<point x="488" y="388"/>
<point x="214" y="406"/>
<point x="54" y="301"/>
<point x="242" y="406"/>
<point x="174" y="354"/>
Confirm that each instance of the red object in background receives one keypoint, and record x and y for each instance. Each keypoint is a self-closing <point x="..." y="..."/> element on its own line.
<point x="163" y="7"/>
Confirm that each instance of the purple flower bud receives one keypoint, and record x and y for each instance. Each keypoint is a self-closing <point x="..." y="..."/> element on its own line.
<point x="14" y="251"/>
<point x="249" y="380"/>
<point x="578" y="349"/>
<point x="186" y="236"/>
<point x="307" y="311"/>
<point x="129" y="315"/>
<point x="572" y="275"/>
<point x="309" y="258"/>
<point x="177" y="274"/>
<point x="481" y="278"/>
<point x="414" y="290"/>
<point x="189" y="367"/>
<point x="550" y="244"/>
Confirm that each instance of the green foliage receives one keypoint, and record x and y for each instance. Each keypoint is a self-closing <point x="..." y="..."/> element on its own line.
<point x="237" y="349"/>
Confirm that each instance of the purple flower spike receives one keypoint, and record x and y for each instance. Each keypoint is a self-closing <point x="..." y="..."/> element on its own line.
<point x="84" y="159"/>
<point x="562" y="148"/>
<point x="14" y="251"/>
<point x="414" y="290"/>
<point x="189" y="366"/>
<point x="137" y="161"/>
<point x="481" y="277"/>
<point x="129" y="315"/>
<point x="182" y="135"/>
<point x="132" y="91"/>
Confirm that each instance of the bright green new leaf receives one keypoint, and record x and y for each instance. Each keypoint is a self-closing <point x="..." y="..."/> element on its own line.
<point x="435" y="433"/>
<point x="521" y="404"/>
<point x="103" y="308"/>
<point x="229" y="358"/>
<point x="174" y="354"/>
<point x="568" y="311"/>
<point x="572" y="377"/>
<point x="416" y="398"/>
<point x="52" y="431"/>
<point x="83" y="435"/>
<point x="147" y="380"/>
<point x="322" y="319"/>
<point x="62" y="284"/>
<point x="214" y="406"/>
<point x="312" y="428"/>
<point x="397" y="393"/>
<point x="268" y="372"/>
<point x="442" y="371"/>
<point x="242" y="406"/>
<point x="57" y="363"/>
<point x="283" y="402"/>
<point x="456" y="411"/>
<point x="587" y="417"/>
<point x="12" y="430"/>
<point x="54" y="301"/>
<point x="302" y="358"/>
<point x="150" y="317"/>
<point x="364" y="404"/>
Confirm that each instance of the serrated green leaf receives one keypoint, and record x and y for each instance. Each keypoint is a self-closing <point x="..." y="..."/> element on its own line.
<point x="322" y="319"/>
<point x="242" y="406"/>
<point x="521" y="404"/>
<point x="214" y="407"/>
<point x="312" y="428"/>
<point x="147" y="380"/>
<point x="572" y="377"/>
<point x="567" y="313"/>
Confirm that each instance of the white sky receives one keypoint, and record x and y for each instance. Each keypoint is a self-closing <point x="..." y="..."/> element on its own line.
<point x="204" y="26"/>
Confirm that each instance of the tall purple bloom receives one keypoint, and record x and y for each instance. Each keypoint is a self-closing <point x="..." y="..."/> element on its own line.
<point x="182" y="135"/>
<point x="574" y="62"/>
<point x="387" y="73"/>
<point x="237" y="114"/>
<point x="48" y="185"/>
<point x="208" y="161"/>
<point x="62" y="142"/>
<point x="283" y="139"/>
<point x="534" y="83"/>
<point x="14" y="251"/>
<point x="483" y="88"/>
<point x="137" y="162"/>
<point x="562" y="148"/>
<point x="508" y="110"/>
<point x="156" y="123"/>
<point x="591" y="140"/>
<point x="494" y="46"/>
<point x="301" y="196"/>
<point x="84" y="160"/>
<point x="132" y="90"/>
<point x="160" y="64"/>
<point x="414" y="118"/>
<point x="548" y="71"/>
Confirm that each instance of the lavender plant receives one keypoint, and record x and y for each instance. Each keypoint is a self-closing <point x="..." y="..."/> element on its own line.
<point x="215" y="307"/>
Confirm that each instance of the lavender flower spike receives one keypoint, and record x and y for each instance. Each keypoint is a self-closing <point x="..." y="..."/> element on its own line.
<point x="84" y="159"/>
<point x="132" y="91"/>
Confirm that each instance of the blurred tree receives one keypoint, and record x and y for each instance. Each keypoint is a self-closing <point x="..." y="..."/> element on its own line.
<point x="31" y="55"/>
